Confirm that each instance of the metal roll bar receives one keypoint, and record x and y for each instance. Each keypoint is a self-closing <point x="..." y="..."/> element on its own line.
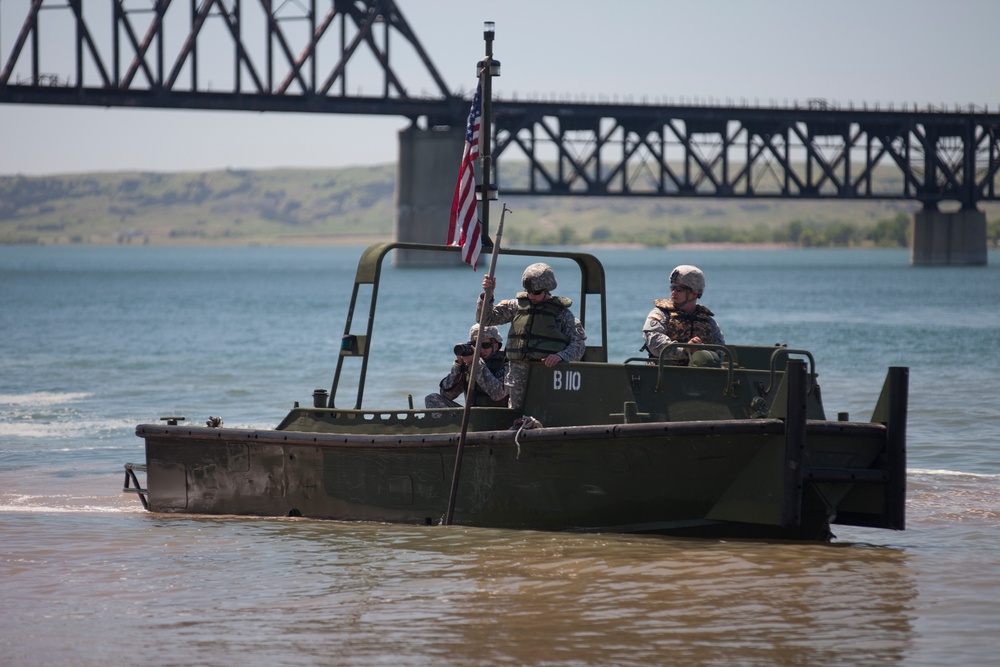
<point x="774" y="368"/>
<point x="730" y="389"/>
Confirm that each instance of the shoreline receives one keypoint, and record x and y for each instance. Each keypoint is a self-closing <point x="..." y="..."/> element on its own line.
<point x="365" y="240"/>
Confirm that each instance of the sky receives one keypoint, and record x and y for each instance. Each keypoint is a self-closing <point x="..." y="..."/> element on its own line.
<point x="763" y="52"/>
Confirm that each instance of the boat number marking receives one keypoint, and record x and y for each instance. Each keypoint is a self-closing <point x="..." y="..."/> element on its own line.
<point x="568" y="380"/>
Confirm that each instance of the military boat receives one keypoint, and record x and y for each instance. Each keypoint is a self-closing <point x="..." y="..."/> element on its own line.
<point x="637" y="446"/>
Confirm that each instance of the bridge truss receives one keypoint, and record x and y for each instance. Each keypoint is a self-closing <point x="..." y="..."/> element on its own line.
<point x="322" y="56"/>
<point x="930" y="156"/>
<point x="362" y="57"/>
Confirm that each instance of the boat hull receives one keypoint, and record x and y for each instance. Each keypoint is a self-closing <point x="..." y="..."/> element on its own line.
<point x="738" y="448"/>
<point x="688" y="478"/>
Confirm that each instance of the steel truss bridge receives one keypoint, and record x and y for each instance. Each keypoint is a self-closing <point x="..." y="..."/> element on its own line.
<point x="351" y="57"/>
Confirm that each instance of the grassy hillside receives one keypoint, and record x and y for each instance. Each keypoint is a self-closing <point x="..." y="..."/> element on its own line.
<point x="357" y="205"/>
<point x="229" y="206"/>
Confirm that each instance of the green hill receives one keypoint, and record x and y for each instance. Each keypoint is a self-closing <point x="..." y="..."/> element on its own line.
<point x="286" y="205"/>
<point x="357" y="205"/>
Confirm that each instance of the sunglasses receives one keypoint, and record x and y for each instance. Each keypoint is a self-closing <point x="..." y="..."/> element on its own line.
<point x="679" y="288"/>
<point x="536" y="292"/>
<point x="487" y="345"/>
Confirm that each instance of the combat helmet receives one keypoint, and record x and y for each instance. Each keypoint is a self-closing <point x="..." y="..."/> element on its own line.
<point x="488" y="332"/>
<point x="689" y="276"/>
<point x="539" y="276"/>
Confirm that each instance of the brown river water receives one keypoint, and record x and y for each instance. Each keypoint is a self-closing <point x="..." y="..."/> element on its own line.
<point x="93" y="580"/>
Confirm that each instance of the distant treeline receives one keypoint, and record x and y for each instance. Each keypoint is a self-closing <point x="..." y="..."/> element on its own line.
<point x="887" y="233"/>
<point x="358" y="203"/>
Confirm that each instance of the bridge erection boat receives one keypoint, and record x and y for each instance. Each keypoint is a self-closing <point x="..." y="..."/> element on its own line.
<point x="637" y="446"/>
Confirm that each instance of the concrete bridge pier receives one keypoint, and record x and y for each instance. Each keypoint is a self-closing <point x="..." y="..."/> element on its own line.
<point x="426" y="173"/>
<point x="948" y="238"/>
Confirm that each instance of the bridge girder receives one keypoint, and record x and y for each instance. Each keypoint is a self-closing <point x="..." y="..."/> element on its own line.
<point x="257" y="55"/>
<point x="297" y="57"/>
<point x="929" y="156"/>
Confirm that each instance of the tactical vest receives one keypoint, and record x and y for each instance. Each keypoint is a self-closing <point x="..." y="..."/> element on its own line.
<point x="682" y="327"/>
<point x="534" y="332"/>
<point x="494" y="365"/>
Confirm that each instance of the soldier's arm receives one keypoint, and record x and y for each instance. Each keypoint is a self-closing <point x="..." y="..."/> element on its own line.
<point x="717" y="332"/>
<point x="655" y="337"/>
<point x="572" y="327"/>
<point x="501" y="313"/>
<point x="451" y="384"/>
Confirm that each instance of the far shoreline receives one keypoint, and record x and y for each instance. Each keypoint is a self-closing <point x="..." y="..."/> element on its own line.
<point x="366" y="240"/>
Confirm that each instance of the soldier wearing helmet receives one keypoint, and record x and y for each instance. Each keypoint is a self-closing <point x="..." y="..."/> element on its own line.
<point x="490" y="389"/>
<point x="681" y="319"/>
<point x="542" y="327"/>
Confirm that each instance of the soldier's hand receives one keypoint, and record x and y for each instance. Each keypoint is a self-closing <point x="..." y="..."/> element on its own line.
<point x="489" y="282"/>
<point x="552" y="360"/>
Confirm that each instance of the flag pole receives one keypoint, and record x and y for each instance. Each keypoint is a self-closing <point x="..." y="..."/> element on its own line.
<point x="476" y="363"/>
<point x="488" y="68"/>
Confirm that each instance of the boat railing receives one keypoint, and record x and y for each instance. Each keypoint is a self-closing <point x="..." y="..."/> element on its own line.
<point x="786" y="352"/>
<point x="130" y="477"/>
<point x="424" y="420"/>
<point x="730" y="355"/>
<point x="356" y="344"/>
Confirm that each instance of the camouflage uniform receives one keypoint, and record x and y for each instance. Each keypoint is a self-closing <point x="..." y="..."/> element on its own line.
<point x="490" y="389"/>
<point x="507" y="311"/>
<point x="666" y="324"/>
<point x="490" y="382"/>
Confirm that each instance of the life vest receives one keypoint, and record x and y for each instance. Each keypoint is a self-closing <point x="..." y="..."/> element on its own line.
<point x="534" y="332"/>
<point x="682" y="327"/>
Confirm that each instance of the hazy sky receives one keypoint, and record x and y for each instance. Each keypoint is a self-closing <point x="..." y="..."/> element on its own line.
<point x="763" y="51"/>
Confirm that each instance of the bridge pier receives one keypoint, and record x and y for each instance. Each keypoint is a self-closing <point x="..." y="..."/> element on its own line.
<point x="948" y="238"/>
<point x="426" y="173"/>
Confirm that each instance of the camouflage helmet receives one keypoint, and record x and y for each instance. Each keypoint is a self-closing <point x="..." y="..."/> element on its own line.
<point x="488" y="332"/>
<point x="689" y="276"/>
<point x="539" y="276"/>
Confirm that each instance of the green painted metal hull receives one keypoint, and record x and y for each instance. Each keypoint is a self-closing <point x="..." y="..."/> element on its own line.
<point x="719" y="477"/>
<point x="742" y="450"/>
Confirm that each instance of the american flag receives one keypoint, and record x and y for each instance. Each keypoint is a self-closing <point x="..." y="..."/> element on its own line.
<point x="463" y="227"/>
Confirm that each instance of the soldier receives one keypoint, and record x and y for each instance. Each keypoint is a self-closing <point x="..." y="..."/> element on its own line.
<point x="542" y="328"/>
<point x="490" y="389"/>
<point x="681" y="319"/>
